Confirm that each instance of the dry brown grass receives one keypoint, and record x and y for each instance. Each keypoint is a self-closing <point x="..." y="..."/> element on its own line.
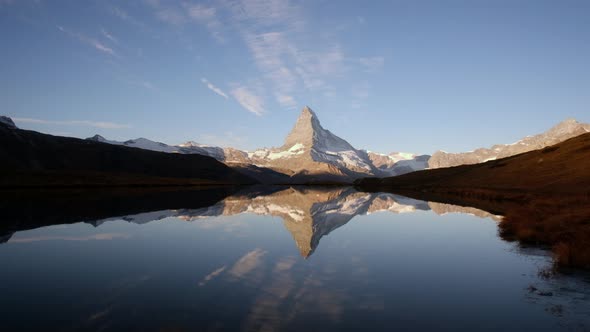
<point x="563" y="223"/>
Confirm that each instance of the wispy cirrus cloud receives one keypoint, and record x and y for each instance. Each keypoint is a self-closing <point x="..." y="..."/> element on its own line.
<point x="98" y="45"/>
<point x="214" y="88"/>
<point x="148" y="85"/>
<point x="85" y="123"/>
<point x="109" y="36"/>
<point x="183" y="13"/>
<point x="124" y="16"/>
<point x="171" y="15"/>
<point x="276" y="34"/>
<point x="206" y="16"/>
<point x="280" y="39"/>
<point x="250" y="101"/>
<point x="372" y="64"/>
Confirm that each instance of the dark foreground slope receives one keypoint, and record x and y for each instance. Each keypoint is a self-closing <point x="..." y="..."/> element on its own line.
<point x="561" y="168"/>
<point x="544" y="195"/>
<point x="30" y="158"/>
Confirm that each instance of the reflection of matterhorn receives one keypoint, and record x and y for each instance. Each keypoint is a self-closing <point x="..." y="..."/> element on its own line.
<point x="308" y="213"/>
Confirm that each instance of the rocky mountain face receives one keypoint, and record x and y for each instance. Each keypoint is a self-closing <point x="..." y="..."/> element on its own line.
<point x="559" y="133"/>
<point x="313" y="152"/>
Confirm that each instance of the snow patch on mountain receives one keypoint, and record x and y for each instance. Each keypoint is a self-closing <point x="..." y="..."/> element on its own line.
<point x="296" y="149"/>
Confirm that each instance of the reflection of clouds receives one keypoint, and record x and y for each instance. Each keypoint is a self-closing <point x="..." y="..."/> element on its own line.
<point x="100" y="236"/>
<point x="247" y="263"/>
<point x="211" y="276"/>
<point x="266" y="313"/>
<point x="99" y="314"/>
<point x="312" y="300"/>
<point x="290" y="298"/>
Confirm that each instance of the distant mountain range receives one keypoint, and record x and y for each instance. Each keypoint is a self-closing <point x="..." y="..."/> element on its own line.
<point x="310" y="153"/>
<point x="558" y="169"/>
<point x="559" y="133"/>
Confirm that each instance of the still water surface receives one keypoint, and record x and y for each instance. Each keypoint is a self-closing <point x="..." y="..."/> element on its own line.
<point x="303" y="259"/>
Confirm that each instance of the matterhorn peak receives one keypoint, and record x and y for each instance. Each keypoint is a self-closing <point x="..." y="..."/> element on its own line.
<point x="7" y="122"/>
<point x="307" y="110"/>
<point x="305" y="128"/>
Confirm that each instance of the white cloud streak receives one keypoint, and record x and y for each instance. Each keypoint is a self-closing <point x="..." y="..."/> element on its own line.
<point x="248" y="100"/>
<point x="109" y="36"/>
<point x="212" y="276"/>
<point x="214" y="88"/>
<point x="249" y="262"/>
<point x="89" y="41"/>
<point x="85" y="123"/>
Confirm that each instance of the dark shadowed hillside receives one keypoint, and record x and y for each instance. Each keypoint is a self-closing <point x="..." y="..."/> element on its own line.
<point x="30" y="158"/>
<point x="561" y="168"/>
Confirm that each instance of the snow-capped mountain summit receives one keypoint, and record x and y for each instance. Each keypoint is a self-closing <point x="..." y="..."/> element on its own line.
<point x="311" y="150"/>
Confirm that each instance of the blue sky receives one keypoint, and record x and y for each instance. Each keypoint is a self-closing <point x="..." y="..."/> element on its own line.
<point x="387" y="76"/>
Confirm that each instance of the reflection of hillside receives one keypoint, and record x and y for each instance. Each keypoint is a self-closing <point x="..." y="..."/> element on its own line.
<point x="442" y="209"/>
<point x="396" y="204"/>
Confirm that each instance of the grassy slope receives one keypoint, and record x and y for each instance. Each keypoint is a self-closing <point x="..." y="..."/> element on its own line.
<point x="561" y="168"/>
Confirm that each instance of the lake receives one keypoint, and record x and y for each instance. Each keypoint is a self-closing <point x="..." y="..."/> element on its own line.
<point x="272" y="259"/>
